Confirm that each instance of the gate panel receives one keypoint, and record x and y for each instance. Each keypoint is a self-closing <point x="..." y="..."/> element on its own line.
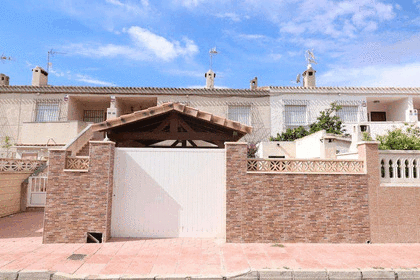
<point x="37" y="190"/>
<point x="169" y="193"/>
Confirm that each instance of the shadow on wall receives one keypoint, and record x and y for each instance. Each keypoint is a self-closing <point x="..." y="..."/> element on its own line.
<point x="140" y="206"/>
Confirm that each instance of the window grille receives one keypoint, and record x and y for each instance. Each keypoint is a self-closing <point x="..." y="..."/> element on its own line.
<point x="47" y="111"/>
<point x="240" y="114"/>
<point x="93" y="116"/>
<point x="295" y="115"/>
<point x="348" y="114"/>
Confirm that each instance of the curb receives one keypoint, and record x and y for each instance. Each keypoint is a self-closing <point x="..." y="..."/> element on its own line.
<point x="281" y="274"/>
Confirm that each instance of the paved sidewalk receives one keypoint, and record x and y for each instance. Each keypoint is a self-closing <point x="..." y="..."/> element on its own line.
<point x="21" y="249"/>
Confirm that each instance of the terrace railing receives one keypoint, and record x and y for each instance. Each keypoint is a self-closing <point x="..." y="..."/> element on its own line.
<point x="19" y="165"/>
<point x="400" y="167"/>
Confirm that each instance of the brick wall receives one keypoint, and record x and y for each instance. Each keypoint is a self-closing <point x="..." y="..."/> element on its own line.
<point x="79" y="202"/>
<point x="269" y="207"/>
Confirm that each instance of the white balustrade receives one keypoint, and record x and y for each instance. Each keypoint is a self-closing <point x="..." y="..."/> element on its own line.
<point x="399" y="168"/>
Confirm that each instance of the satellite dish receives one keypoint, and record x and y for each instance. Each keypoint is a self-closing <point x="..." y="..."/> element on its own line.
<point x="298" y="79"/>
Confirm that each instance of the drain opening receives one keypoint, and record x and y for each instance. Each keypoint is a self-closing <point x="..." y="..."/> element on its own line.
<point x="76" y="257"/>
<point x="94" y="237"/>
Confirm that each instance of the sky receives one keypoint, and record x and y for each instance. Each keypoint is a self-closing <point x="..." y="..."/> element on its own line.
<point x="146" y="43"/>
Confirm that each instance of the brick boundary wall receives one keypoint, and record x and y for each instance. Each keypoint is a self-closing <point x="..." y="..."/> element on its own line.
<point x="79" y="202"/>
<point x="276" y="207"/>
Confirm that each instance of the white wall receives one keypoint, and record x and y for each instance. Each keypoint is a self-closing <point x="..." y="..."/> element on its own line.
<point x="315" y="104"/>
<point x="169" y="193"/>
<point x="310" y="146"/>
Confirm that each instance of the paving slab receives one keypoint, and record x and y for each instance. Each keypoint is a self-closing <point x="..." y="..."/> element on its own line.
<point x="195" y="258"/>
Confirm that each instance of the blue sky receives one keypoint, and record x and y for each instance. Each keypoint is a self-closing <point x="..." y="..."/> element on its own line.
<point x="166" y="43"/>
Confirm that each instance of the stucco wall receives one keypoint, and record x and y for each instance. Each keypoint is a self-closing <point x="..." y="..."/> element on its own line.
<point x="10" y="192"/>
<point x="314" y="102"/>
<point x="218" y="105"/>
<point x="15" y="109"/>
<point x="59" y="132"/>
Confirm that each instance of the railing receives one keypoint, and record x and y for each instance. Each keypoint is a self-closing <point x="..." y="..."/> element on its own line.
<point x="306" y="166"/>
<point x="19" y="165"/>
<point x="77" y="163"/>
<point x="80" y="141"/>
<point x="400" y="167"/>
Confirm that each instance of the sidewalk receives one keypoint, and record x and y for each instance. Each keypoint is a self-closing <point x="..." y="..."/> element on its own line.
<point x="21" y="249"/>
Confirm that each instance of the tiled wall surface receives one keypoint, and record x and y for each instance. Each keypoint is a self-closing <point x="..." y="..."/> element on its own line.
<point x="269" y="207"/>
<point x="79" y="202"/>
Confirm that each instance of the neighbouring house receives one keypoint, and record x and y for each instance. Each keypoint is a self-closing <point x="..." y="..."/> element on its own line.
<point x="41" y="116"/>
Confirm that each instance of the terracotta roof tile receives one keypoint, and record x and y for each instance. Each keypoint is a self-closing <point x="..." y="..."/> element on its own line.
<point x="166" y="107"/>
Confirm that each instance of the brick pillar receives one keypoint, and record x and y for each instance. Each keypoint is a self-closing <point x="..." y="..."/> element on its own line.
<point x="236" y="165"/>
<point x="368" y="152"/>
<point x="102" y="169"/>
<point x="79" y="202"/>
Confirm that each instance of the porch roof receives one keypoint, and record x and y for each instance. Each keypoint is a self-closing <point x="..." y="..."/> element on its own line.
<point x="171" y="121"/>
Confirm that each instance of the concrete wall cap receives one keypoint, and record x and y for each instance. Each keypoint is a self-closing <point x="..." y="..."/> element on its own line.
<point x="102" y="142"/>
<point x="368" y="143"/>
<point x="236" y="143"/>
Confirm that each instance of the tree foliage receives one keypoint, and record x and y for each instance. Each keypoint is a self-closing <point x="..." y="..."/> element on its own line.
<point x="327" y="120"/>
<point x="406" y="138"/>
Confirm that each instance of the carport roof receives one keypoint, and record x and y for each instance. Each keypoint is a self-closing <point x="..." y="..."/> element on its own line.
<point x="167" y="107"/>
<point x="172" y="121"/>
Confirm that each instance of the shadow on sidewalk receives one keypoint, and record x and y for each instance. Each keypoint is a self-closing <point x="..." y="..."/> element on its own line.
<point x="25" y="224"/>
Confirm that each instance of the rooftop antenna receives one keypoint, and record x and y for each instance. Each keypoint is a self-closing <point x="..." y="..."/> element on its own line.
<point x="51" y="53"/>
<point x="212" y="53"/>
<point x="310" y="57"/>
<point x="3" y="58"/>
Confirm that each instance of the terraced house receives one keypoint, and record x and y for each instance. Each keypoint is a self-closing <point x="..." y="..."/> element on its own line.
<point x="165" y="162"/>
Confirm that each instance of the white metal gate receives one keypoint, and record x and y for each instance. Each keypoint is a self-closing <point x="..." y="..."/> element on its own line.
<point x="169" y="193"/>
<point x="37" y="190"/>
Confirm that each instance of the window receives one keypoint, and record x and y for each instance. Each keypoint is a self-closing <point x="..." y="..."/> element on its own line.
<point x="295" y="115"/>
<point x="93" y="116"/>
<point x="240" y="114"/>
<point x="47" y="111"/>
<point x="348" y="114"/>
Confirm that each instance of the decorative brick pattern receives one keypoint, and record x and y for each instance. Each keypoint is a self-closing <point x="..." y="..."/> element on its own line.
<point x="270" y="207"/>
<point x="79" y="202"/>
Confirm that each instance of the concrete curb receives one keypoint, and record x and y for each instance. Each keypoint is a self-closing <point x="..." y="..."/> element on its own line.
<point x="281" y="274"/>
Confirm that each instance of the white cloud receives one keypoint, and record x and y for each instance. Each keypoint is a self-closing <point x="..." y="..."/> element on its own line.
<point x="417" y="3"/>
<point x="232" y="16"/>
<point x="130" y="7"/>
<point x="90" y="80"/>
<point x="338" y="19"/>
<point x="252" y="36"/>
<point x="385" y="76"/>
<point x="146" y="46"/>
<point x="160" y="46"/>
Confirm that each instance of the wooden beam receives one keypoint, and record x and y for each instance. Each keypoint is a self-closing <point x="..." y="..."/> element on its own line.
<point x="175" y="143"/>
<point x="192" y="143"/>
<point x="206" y="136"/>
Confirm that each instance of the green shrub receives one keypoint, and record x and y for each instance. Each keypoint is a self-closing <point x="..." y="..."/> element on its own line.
<point x="406" y="138"/>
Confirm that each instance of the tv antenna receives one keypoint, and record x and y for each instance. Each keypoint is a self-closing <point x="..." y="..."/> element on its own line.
<point x="212" y="53"/>
<point x="3" y="58"/>
<point x="51" y="53"/>
<point x="310" y="57"/>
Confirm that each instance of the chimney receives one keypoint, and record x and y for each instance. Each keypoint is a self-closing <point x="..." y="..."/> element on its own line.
<point x="39" y="77"/>
<point x="254" y="83"/>
<point x="210" y="75"/>
<point x="4" y="80"/>
<point x="309" y="77"/>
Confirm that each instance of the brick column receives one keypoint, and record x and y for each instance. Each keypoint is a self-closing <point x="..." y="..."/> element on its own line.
<point x="368" y="152"/>
<point x="236" y="165"/>
<point x="79" y="202"/>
